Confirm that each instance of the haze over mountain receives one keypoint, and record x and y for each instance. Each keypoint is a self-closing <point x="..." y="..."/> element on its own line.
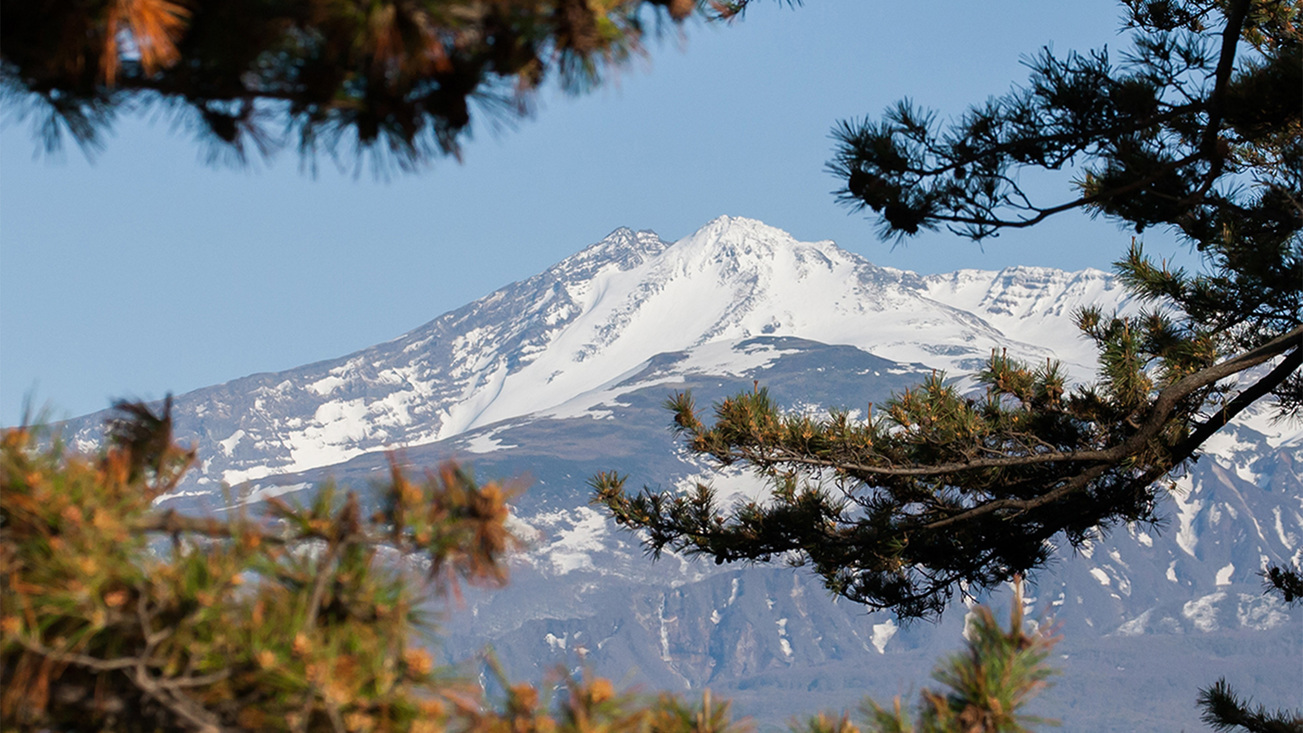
<point x="563" y="374"/>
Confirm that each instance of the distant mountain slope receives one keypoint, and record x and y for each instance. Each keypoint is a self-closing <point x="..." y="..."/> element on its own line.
<point x="1150" y="614"/>
<point x="562" y="375"/>
<point x="597" y="316"/>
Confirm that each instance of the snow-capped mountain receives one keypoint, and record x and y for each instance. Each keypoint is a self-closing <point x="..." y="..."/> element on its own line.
<point x="562" y="375"/>
<point x="596" y="317"/>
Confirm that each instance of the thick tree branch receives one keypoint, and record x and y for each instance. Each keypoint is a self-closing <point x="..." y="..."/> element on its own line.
<point x="171" y="522"/>
<point x="1043" y="214"/>
<point x="1072" y="485"/>
<point x="1225" y="65"/>
<point x="1260" y="389"/>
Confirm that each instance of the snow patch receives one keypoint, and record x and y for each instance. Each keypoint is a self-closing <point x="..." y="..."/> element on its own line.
<point x="783" y="643"/>
<point x="1187" y="510"/>
<point x="340" y="427"/>
<point x="487" y="442"/>
<point x="732" y="485"/>
<point x="573" y="545"/>
<point x="1288" y="539"/>
<point x="664" y="630"/>
<point x="1141" y="536"/>
<point x="1261" y="612"/>
<point x="1136" y="626"/>
<point x="326" y="385"/>
<point x="971" y="615"/>
<point x="1202" y="612"/>
<point x="261" y="493"/>
<point x="228" y="445"/>
<point x="237" y="477"/>
<point x="1224" y="575"/>
<point x="883" y="632"/>
<point x="732" y="358"/>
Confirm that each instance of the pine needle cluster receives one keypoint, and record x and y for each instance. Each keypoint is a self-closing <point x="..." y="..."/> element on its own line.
<point x="987" y="684"/>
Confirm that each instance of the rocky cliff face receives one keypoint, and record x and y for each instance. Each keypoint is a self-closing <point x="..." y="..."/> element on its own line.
<point x="562" y="375"/>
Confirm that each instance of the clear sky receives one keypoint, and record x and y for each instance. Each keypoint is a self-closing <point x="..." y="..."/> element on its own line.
<point x="146" y="271"/>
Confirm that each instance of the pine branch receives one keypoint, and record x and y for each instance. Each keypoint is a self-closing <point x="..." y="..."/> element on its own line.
<point x="1260" y="389"/>
<point x="1225" y="711"/>
<point x="170" y="522"/>
<point x="1285" y="581"/>
<point x="922" y="525"/>
<point x="1231" y="35"/>
<point x="1160" y="411"/>
<point x="1070" y="486"/>
<point x="1082" y="202"/>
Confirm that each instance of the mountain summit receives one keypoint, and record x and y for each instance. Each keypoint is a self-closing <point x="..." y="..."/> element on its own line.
<point x="601" y="314"/>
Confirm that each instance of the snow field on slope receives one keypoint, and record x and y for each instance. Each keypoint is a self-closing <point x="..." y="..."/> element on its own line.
<point x="561" y="341"/>
<point x="733" y="279"/>
<point x="1036" y="303"/>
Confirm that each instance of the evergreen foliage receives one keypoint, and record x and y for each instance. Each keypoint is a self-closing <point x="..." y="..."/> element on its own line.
<point x="1198" y="130"/>
<point x="986" y="686"/>
<point x="120" y="617"/>
<point x="1223" y="710"/>
<point x="1288" y="583"/>
<point x="988" y="683"/>
<point x="397" y="79"/>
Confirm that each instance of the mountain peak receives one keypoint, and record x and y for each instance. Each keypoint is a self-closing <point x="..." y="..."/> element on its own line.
<point x="734" y="231"/>
<point x="601" y="313"/>
<point x="724" y="226"/>
<point x="757" y="253"/>
<point x="623" y="247"/>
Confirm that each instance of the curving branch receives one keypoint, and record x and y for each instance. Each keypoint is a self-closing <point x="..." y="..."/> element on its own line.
<point x="1257" y="391"/>
<point x="1044" y="213"/>
<point x="170" y="522"/>
<point x="1069" y="487"/>
<point x="922" y="527"/>
<point x="1161" y="410"/>
<point x="1225" y="65"/>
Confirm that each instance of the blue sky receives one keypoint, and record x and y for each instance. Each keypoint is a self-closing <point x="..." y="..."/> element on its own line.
<point x="146" y="271"/>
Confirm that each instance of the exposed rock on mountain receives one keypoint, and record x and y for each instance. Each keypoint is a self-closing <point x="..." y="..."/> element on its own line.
<point x="564" y="374"/>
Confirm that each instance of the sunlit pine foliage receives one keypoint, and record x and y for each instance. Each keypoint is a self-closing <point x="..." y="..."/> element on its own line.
<point x="118" y="616"/>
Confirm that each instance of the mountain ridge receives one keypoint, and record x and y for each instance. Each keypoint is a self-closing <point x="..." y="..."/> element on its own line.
<point x="565" y="373"/>
<point x="542" y="341"/>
